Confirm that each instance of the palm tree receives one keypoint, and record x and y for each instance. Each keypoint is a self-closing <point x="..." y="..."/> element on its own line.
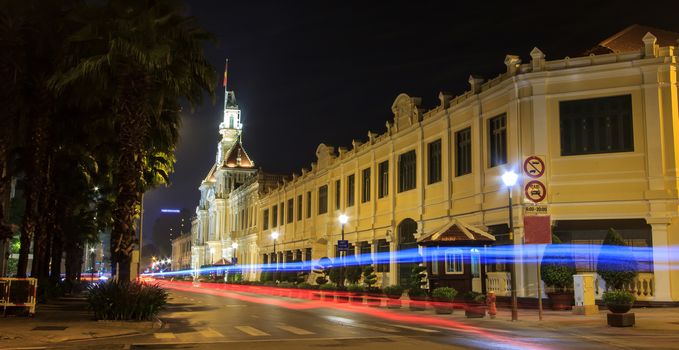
<point x="150" y="57"/>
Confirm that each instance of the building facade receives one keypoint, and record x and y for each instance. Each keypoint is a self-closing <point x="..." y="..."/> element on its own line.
<point x="181" y="253"/>
<point x="606" y="124"/>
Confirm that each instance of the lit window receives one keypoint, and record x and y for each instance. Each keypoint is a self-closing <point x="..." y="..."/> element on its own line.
<point x="454" y="261"/>
<point x="475" y="260"/>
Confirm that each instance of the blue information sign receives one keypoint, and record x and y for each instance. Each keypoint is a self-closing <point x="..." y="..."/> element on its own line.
<point x="343" y="244"/>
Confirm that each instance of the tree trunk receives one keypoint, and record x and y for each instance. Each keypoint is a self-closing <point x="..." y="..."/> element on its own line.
<point x="33" y="155"/>
<point x="57" y="253"/>
<point x="43" y="230"/>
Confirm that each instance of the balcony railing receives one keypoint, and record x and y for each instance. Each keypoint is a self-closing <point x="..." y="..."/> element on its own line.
<point x="499" y="282"/>
<point x="643" y="286"/>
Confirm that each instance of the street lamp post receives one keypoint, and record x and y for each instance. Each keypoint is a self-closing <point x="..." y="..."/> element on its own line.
<point x="343" y="220"/>
<point x="234" y="246"/>
<point x="509" y="178"/>
<point x="92" y="257"/>
<point x="274" y="236"/>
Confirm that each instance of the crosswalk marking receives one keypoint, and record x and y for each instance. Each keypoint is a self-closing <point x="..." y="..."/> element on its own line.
<point x="295" y="330"/>
<point x="164" y="335"/>
<point x="211" y="333"/>
<point x="374" y="328"/>
<point x="415" y="328"/>
<point x="251" y="331"/>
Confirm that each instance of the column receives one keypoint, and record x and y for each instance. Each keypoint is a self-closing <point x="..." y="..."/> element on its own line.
<point x="661" y="262"/>
<point x="522" y="270"/>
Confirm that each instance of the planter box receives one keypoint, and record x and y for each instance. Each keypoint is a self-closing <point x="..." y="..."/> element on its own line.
<point x="561" y="301"/>
<point x="342" y="298"/>
<point x="393" y="303"/>
<point x="356" y="299"/>
<point x="417" y="304"/>
<point x="475" y="311"/>
<point x="373" y="301"/>
<point x="620" y="320"/>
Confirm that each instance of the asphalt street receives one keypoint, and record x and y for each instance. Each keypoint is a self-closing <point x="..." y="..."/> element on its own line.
<point x="203" y="318"/>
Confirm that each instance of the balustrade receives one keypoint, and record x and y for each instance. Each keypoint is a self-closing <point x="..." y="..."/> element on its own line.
<point x="643" y="286"/>
<point x="498" y="282"/>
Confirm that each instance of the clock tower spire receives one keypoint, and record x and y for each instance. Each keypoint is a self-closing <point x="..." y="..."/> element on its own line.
<point x="230" y="128"/>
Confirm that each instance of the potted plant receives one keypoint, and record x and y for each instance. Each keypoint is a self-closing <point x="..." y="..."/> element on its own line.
<point x="393" y="294"/>
<point x="618" y="301"/>
<point x="342" y="296"/>
<point x="617" y="267"/>
<point x="475" y="304"/>
<point x="443" y="299"/>
<point x="328" y="290"/>
<point x="418" y="298"/>
<point x="356" y="293"/>
<point x="369" y="279"/>
<point x="556" y="270"/>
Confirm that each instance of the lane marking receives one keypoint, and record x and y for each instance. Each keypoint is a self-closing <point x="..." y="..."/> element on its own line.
<point x="164" y="335"/>
<point x="415" y="328"/>
<point x="295" y="330"/>
<point x="251" y="331"/>
<point x="211" y="333"/>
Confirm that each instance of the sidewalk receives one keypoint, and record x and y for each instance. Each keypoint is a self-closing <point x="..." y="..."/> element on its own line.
<point x="63" y="320"/>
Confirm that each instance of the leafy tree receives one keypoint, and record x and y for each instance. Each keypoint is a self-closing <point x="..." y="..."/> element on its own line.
<point x="150" y="57"/>
<point x="369" y="277"/>
<point x="616" y="264"/>
<point x="557" y="266"/>
<point x="417" y="277"/>
<point x="353" y="271"/>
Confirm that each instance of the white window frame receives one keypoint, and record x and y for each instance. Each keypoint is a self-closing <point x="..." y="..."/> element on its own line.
<point x="435" y="261"/>
<point x="458" y="267"/>
<point x="475" y="261"/>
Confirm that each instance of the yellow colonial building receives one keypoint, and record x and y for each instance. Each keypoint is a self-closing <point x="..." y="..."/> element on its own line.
<point x="606" y="125"/>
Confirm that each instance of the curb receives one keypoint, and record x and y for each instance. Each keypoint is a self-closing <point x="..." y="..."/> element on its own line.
<point x="155" y="324"/>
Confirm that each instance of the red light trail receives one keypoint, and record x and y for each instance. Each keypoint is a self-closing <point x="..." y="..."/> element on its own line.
<point x="262" y="296"/>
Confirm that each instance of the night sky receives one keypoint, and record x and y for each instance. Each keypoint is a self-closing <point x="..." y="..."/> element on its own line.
<point x="328" y="71"/>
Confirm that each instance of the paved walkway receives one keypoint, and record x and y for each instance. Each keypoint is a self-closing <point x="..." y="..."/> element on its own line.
<point x="66" y="319"/>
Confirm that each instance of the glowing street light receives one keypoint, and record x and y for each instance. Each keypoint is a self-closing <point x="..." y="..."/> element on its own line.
<point x="274" y="236"/>
<point x="343" y="219"/>
<point x="509" y="178"/>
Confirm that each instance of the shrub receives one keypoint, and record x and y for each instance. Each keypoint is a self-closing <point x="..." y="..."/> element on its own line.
<point x="393" y="291"/>
<point x="474" y="297"/>
<point x="615" y="263"/>
<point x="286" y="284"/>
<point x="353" y="273"/>
<point x="305" y="285"/>
<point x="557" y="266"/>
<point x="324" y="265"/>
<point x="618" y="297"/>
<point x="444" y="293"/>
<point x="417" y="276"/>
<point x="369" y="276"/>
<point x="333" y="274"/>
<point x="356" y="288"/>
<point x="328" y="286"/>
<point x="266" y="276"/>
<point x="417" y="293"/>
<point x="321" y="280"/>
<point x="113" y="300"/>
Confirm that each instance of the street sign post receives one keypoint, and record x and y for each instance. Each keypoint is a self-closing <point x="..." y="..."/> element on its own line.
<point x="536" y="220"/>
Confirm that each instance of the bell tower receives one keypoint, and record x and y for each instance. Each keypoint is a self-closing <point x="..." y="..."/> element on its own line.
<point x="230" y="128"/>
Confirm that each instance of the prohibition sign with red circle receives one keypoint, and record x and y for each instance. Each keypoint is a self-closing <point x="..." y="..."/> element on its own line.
<point x="535" y="191"/>
<point x="534" y="167"/>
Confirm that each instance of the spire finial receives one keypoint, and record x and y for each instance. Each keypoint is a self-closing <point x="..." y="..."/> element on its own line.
<point x="226" y="71"/>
